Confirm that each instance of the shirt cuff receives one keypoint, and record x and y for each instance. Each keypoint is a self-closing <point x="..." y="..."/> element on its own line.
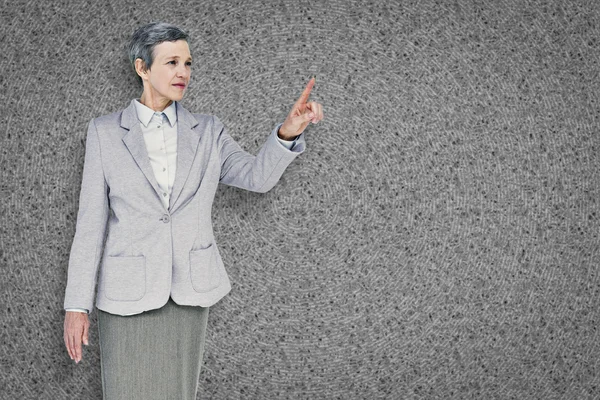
<point x="288" y="144"/>
<point x="83" y="310"/>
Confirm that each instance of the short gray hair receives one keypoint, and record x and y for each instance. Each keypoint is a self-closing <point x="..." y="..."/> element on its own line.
<point x="146" y="37"/>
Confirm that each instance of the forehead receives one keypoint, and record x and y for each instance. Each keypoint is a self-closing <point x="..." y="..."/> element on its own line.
<point x="178" y="48"/>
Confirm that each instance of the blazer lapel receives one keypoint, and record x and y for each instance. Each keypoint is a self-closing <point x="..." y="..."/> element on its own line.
<point x="187" y="142"/>
<point x="134" y="140"/>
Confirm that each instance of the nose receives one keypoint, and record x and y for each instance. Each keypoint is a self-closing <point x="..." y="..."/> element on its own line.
<point x="183" y="71"/>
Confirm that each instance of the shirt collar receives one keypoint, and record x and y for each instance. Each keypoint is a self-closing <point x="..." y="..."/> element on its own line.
<point x="145" y="113"/>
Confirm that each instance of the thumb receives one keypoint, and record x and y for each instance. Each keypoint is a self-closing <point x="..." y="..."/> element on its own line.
<point x="306" y="117"/>
<point x="301" y="120"/>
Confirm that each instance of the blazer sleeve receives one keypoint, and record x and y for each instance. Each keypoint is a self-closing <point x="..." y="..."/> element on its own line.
<point x="255" y="173"/>
<point x="86" y="250"/>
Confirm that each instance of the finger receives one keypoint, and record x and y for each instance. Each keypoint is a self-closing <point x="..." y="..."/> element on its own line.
<point x="66" y="339"/>
<point x="309" y="107"/>
<point x="70" y="346"/>
<point x="309" y="115"/>
<point x="77" y="343"/>
<point x="67" y="336"/>
<point x="318" y="110"/>
<point x="304" y="96"/>
<point x="301" y="120"/>
<point x="85" y="333"/>
<point x="314" y="108"/>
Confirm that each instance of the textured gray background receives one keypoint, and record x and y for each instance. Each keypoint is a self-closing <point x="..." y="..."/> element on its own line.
<point x="438" y="239"/>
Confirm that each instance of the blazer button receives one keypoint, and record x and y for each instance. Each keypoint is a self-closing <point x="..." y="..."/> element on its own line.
<point x="165" y="218"/>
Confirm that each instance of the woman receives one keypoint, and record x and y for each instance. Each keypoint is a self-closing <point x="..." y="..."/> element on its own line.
<point x="144" y="223"/>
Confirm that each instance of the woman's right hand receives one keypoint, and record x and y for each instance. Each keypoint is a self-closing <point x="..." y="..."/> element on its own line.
<point x="76" y="331"/>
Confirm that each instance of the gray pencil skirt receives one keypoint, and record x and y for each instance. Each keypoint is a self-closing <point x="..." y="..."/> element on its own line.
<point x="153" y="355"/>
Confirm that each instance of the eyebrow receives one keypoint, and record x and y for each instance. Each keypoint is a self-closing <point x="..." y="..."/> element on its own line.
<point x="168" y="58"/>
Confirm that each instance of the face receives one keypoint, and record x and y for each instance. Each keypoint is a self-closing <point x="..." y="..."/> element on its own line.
<point x="170" y="72"/>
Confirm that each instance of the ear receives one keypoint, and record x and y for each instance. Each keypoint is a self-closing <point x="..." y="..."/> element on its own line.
<point x="140" y="68"/>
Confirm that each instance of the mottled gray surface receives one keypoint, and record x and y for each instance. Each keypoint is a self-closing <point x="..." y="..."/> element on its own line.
<point x="438" y="239"/>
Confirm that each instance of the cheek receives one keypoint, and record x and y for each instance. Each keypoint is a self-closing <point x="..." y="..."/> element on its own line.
<point x="162" y="81"/>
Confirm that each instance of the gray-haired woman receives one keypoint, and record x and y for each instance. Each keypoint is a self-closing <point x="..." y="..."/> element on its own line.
<point x="149" y="178"/>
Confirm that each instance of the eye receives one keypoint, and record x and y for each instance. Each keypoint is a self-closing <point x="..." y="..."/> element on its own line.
<point x="189" y="63"/>
<point x="172" y="61"/>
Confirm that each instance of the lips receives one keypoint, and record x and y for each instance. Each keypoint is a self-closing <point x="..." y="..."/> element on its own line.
<point x="180" y="85"/>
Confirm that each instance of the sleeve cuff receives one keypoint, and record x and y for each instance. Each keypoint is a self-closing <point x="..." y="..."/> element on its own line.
<point x="288" y="144"/>
<point x="83" y="310"/>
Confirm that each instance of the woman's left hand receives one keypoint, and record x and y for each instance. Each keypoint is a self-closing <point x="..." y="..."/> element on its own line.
<point x="302" y="113"/>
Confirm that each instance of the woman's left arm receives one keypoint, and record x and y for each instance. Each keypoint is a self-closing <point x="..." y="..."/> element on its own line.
<point x="261" y="172"/>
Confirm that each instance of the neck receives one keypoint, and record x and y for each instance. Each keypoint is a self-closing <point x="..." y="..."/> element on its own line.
<point x="157" y="103"/>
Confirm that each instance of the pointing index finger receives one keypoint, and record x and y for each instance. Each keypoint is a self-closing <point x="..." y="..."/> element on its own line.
<point x="304" y="96"/>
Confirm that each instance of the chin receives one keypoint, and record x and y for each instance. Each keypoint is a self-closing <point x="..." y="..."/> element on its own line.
<point x="177" y="97"/>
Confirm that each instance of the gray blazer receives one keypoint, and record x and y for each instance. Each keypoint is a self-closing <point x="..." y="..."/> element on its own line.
<point x="145" y="252"/>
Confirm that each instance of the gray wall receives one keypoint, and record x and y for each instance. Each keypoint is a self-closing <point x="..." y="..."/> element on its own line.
<point x="438" y="239"/>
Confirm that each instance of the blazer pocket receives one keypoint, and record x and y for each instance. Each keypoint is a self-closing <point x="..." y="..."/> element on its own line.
<point x="125" y="277"/>
<point x="204" y="271"/>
